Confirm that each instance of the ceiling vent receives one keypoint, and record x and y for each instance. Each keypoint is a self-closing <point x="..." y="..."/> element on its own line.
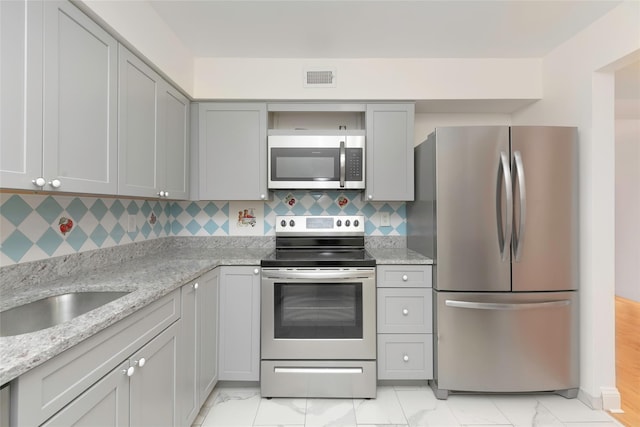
<point x="319" y="77"/>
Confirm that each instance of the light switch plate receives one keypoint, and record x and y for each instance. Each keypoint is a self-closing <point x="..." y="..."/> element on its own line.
<point x="384" y="219"/>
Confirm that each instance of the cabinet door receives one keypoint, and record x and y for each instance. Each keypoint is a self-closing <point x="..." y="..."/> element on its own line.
<point x="239" y="324"/>
<point x="207" y="344"/>
<point x="389" y="152"/>
<point x="105" y="404"/>
<point x="187" y="387"/>
<point x="20" y="94"/>
<point x="80" y="102"/>
<point x="153" y="384"/>
<point x="175" y="135"/>
<point x="138" y="128"/>
<point x="232" y="151"/>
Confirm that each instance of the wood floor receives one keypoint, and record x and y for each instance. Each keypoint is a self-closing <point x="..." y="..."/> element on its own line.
<point x="628" y="360"/>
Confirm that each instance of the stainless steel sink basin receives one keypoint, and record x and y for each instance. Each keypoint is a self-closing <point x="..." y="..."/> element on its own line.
<point x="48" y="312"/>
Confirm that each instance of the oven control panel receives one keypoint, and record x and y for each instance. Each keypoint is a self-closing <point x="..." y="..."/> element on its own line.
<point x="323" y="224"/>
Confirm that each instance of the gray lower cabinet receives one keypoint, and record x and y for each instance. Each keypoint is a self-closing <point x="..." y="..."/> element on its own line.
<point x="82" y="374"/>
<point x="105" y="404"/>
<point x="389" y="152"/>
<point x="231" y="140"/>
<point x="198" y="352"/>
<point x="59" y="100"/>
<point x="405" y="348"/>
<point x="239" y="357"/>
<point x="139" y="392"/>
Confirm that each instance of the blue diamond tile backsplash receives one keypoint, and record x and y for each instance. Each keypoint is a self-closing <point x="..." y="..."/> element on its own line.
<point x="34" y="226"/>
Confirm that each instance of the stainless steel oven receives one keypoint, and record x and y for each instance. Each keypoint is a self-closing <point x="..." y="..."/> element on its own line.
<point x="318" y="313"/>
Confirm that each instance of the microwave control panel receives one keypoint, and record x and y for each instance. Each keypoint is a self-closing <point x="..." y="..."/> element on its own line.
<point x="353" y="166"/>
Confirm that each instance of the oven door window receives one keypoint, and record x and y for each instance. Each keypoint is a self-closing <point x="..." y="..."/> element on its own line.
<point x="318" y="310"/>
<point x="305" y="164"/>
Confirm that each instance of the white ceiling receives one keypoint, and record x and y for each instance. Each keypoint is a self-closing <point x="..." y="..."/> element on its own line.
<point x="378" y="28"/>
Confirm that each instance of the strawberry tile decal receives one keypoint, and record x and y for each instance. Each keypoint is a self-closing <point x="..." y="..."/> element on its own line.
<point x="152" y="218"/>
<point x="342" y="201"/>
<point x="290" y="200"/>
<point x="65" y="224"/>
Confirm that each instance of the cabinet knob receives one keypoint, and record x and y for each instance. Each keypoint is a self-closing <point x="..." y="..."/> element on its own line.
<point x="195" y="285"/>
<point x="405" y="358"/>
<point x="405" y="277"/>
<point x="370" y="197"/>
<point x="140" y="362"/>
<point x="166" y="194"/>
<point x="405" y="312"/>
<point x="129" y="372"/>
<point x="161" y="193"/>
<point x="55" y="183"/>
<point x="262" y="197"/>
<point x="39" y="182"/>
<point x="256" y="270"/>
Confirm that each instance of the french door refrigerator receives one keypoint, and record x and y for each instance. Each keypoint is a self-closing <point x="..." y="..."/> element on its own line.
<point x="496" y="209"/>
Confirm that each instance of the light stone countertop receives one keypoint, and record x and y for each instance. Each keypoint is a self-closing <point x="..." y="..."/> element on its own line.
<point x="149" y="277"/>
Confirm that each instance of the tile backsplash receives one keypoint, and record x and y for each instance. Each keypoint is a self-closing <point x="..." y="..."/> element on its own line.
<point x="36" y="226"/>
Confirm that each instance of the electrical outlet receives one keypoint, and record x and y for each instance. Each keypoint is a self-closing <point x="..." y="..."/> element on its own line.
<point x="384" y="219"/>
<point x="131" y="223"/>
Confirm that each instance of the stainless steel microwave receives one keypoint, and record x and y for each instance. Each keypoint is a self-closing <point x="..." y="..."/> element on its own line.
<point x="316" y="161"/>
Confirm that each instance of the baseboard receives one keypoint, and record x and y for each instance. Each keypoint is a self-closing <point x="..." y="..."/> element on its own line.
<point x="609" y="399"/>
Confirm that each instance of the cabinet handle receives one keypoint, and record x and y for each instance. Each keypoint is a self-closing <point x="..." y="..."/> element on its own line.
<point x="405" y="358"/>
<point x="39" y="182"/>
<point x="195" y="285"/>
<point x="140" y="362"/>
<point x="128" y="372"/>
<point x="405" y="277"/>
<point x="55" y="183"/>
<point x="405" y="312"/>
<point x="256" y="271"/>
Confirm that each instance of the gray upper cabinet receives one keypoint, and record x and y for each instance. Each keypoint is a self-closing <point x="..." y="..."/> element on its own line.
<point x="59" y="120"/>
<point x="232" y="151"/>
<point x="153" y="133"/>
<point x="20" y="94"/>
<point x="139" y="127"/>
<point x="175" y="137"/>
<point x="389" y="152"/>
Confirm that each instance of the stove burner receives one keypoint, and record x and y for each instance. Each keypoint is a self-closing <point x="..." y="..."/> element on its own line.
<point x="319" y="241"/>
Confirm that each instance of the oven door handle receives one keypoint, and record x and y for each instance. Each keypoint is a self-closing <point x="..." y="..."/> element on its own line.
<point x="318" y="275"/>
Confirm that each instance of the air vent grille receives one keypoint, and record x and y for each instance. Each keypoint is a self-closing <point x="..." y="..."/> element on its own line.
<point x="320" y="78"/>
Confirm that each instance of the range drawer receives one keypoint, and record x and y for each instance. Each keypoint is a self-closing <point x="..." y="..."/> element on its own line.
<point x="404" y="276"/>
<point x="404" y="310"/>
<point x="405" y="356"/>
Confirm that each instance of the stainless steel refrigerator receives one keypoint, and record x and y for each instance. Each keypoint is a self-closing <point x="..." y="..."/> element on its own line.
<point x="497" y="210"/>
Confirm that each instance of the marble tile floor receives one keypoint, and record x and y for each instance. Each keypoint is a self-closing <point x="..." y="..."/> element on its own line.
<point x="397" y="406"/>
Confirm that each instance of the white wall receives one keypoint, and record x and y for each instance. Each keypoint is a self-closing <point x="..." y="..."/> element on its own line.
<point x="579" y="90"/>
<point x="627" y="208"/>
<point x="425" y="123"/>
<point x="380" y="79"/>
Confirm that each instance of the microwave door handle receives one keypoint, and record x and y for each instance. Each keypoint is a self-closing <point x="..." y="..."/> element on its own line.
<point x="342" y="164"/>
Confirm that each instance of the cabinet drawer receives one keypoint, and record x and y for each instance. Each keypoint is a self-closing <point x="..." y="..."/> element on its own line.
<point x="404" y="276"/>
<point x="405" y="356"/>
<point x="44" y="390"/>
<point x="404" y="310"/>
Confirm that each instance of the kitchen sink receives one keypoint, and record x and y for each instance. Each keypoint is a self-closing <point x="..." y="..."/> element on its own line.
<point x="51" y="311"/>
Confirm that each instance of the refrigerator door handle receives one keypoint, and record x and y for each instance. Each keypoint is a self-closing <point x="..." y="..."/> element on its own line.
<point x="501" y="306"/>
<point x="505" y="173"/>
<point x="518" y="237"/>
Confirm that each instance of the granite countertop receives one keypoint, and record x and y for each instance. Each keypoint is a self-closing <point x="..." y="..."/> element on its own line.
<point x="398" y="256"/>
<point x="148" y="277"/>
